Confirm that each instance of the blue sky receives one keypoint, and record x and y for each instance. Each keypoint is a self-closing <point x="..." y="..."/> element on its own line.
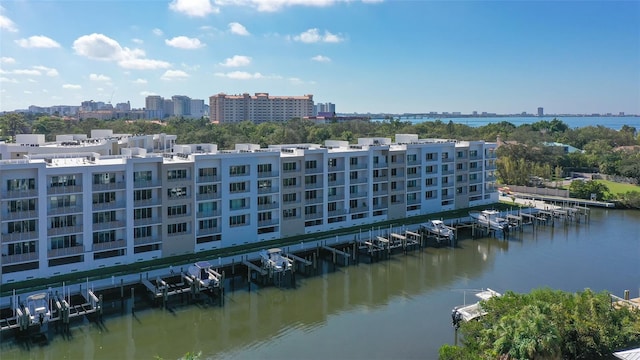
<point x="364" y="56"/>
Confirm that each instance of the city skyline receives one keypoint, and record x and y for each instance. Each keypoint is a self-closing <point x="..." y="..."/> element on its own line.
<point x="367" y="56"/>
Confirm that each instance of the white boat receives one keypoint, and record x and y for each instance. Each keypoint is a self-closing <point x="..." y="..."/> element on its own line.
<point x="472" y="311"/>
<point x="274" y="260"/>
<point x="38" y="308"/>
<point x="491" y="219"/>
<point x="202" y="272"/>
<point x="438" y="228"/>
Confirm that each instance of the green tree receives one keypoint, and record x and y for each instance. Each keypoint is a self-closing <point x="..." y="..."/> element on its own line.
<point x="12" y="124"/>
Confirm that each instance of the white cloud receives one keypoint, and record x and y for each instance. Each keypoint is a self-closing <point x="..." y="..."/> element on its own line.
<point x="101" y="47"/>
<point x="183" y="42"/>
<point x="8" y="80"/>
<point x="7" y="24"/>
<point x="314" y="36"/>
<point x="237" y="61"/>
<point x="139" y="81"/>
<point x="147" y="93"/>
<point x="7" y="60"/>
<point x="37" y="41"/>
<point x="137" y="41"/>
<point x="238" y="29"/>
<point x="174" y="75"/>
<point x="240" y="75"/>
<point x="27" y="92"/>
<point x="275" y="5"/>
<point x="71" y="86"/>
<point x="321" y="58"/>
<point x="47" y="70"/>
<point x="100" y="89"/>
<point x="31" y="81"/>
<point x="26" y="72"/>
<point x="99" y="77"/>
<point x="194" y="8"/>
<point x="157" y="32"/>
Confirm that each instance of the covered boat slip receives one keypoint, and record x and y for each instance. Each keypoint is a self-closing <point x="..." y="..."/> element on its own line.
<point x="472" y="311"/>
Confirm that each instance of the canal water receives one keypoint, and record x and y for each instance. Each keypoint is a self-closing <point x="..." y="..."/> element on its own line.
<point x="393" y="309"/>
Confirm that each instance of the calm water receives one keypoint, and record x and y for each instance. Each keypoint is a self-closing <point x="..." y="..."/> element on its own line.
<point x="395" y="309"/>
<point x="613" y="122"/>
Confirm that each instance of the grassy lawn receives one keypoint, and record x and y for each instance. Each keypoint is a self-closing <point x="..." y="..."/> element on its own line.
<point x="618" y="188"/>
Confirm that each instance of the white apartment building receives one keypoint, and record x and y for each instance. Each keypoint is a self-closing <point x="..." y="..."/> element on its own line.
<point x="259" y="108"/>
<point x="86" y="203"/>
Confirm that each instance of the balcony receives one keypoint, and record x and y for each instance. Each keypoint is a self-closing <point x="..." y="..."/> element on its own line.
<point x="380" y="206"/>
<point x="413" y="162"/>
<point x="22" y="215"/>
<point x="360" y="180"/>
<point x="269" y="206"/>
<point x="337" y="182"/>
<point x="183" y="233"/>
<point x="415" y="175"/>
<point x="358" y="166"/>
<point x="316" y="200"/>
<point x="339" y="167"/>
<point x="109" y="225"/>
<point x="65" y="210"/>
<point x="359" y="209"/>
<point x="53" y="190"/>
<point x="447" y="159"/>
<point x="268" y="190"/>
<point x="145" y="240"/>
<point x="383" y="178"/>
<point x="380" y="165"/>
<point x="381" y="192"/>
<point x="361" y="194"/>
<point x="109" y="245"/>
<point x="73" y="250"/>
<point x="147" y="202"/>
<point x="315" y="216"/>
<point x="267" y="174"/>
<point x="109" y="205"/>
<point x="316" y="185"/>
<point x="335" y="197"/>
<point x="146" y="184"/>
<point x="268" y="222"/>
<point x="209" y="179"/>
<point x="175" y="180"/>
<point x="19" y="258"/>
<point x="209" y="231"/>
<point x="209" y="213"/>
<point x="147" y="221"/>
<point x="13" y="194"/>
<point x="109" y="186"/>
<point x="177" y="216"/>
<point x="413" y="201"/>
<point x="316" y="170"/>
<point x="64" y="230"/>
<point x="336" y="212"/>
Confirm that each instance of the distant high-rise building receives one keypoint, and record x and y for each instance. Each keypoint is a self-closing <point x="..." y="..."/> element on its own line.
<point x="260" y="108"/>
<point x="123" y="106"/>
<point x="540" y="111"/>
<point x="323" y="108"/>
<point x="181" y="105"/>
<point x="154" y="107"/>
<point x="168" y="107"/>
<point x="197" y="108"/>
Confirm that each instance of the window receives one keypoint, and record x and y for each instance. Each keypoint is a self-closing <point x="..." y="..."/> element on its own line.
<point x="104" y="236"/>
<point x="394" y="185"/>
<point x="459" y="178"/>
<point x="63" y="180"/>
<point x="445" y="180"/>
<point x="353" y="161"/>
<point x="353" y="175"/>
<point x="311" y="194"/>
<point x="103" y="198"/>
<point x="460" y="154"/>
<point x="207" y="189"/>
<point x="21" y="226"/>
<point x="430" y="181"/>
<point x="376" y="187"/>
<point x="289" y="197"/>
<point x="70" y="200"/>
<point x="310" y="179"/>
<point x="21" y="184"/>
<point x="237" y="187"/>
<point x="332" y="177"/>
<point x="394" y="172"/>
<point x="104" y="217"/>
<point x="142" y="232"/>
<point x="264" y="216"/>
<point x="106" y="178"/>
<point x="412" y="183"/>
<point x="412" y="171"/>
<point x="431" y="156"/>
<point x="62" y="221"/>
<point x="63" y="242"/>
<point x="353" y="204"/>
<point x="445" y="168"/>
<point x="473" y="165"/>
<point x="142" y="176"/>
<point x="177" y="192"/>
<point x="289" y="213"/>
<point x="459" y="166"/>
<point x="144" y="213"/>
<point x="430" y="169"/>
<point x="412" y="158"/>
<point x="237" y="204"/>
<point x="473" y="153"/>
<point x="208" y="172"/>
<point x="430" y="194"/>
<point x="353" y="189"/>
<point x="207" y="207"/>
<point x="177" y="174"/>
<point x="142" y="194"/>
<point x="177" y="228"/>
<point x="333" y="162"/>
<point x="237" y="220"/>
<point x="473" y="176"/>
<point x="177" y="210"/>
<point x="308" y="210"/>
<point x="289" y="166"/>
<point x="289" y="181"/>
<point x="394" y="158"/>
<point x="332" y="206"/>
<point x="22" y="205"/>
<point x="445" y="192"/>
<point x="411" y="197"/>
<point x="459" y="190"/>
<point x="473" y="188"/>
<point x="376" y="159"/>
<point x="237" y="170"/>
<point x="208" y="224"/>
<point x="264" y="168"/>
<point x="332" y="191"/>
<point x="310" y="164"/>
<point x="445" y="156"/>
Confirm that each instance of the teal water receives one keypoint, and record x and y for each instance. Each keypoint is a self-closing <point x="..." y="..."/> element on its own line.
<point x="395" y="309"/>
<point x="613" y="122"/>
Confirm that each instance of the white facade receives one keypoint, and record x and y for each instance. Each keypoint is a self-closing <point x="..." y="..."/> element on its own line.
<point x="259" y="108"/>
<point x="87" y="208"/>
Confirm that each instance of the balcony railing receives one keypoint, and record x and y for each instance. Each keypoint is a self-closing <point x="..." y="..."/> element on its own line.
<point x="209" y="231"/>
<point x="336" y="212"/>
<point x="188" y="178"/>
<point x="68" y="251"/>
<point x="413" y="201"/>
<point x="336" y="168"/>
<point x="18" y="258"/>
<point x="209" y="178"/>
<point x="316" y="200"/>
<point x="316" y="185"/>
<point x="109" y="225"/>
<point x="109" y="186"/>
<point x="146" y="184"/>
<point x="317" y="215"/>
<point x="209" y="213"/>
<point x="359" y="209"/>
<point x="147" y="221"/>
<point x="268" y="222"/>
<point x="147" y="202"/>
<point x="145" y="240"/>
<point x="22" y="215"/>
<point x="360" y="180"/>
<point x="208" y="196"/>
<point x="268" y="190"/>
<point x="109" y="245"/>
<point x="64" y="230"/>
<point x="360" y="194"/>
<point x="267" y="174"/>
<point x="18" y="236"/>
<point x="413" y="176"/>
<point x="64" y="189"/>
<point x="336" y="197"/>
<point x="358" y="166"/>
<point x="269" y="206"/>
<point x="12" y="194"/>
<point x="109" y="205"/>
